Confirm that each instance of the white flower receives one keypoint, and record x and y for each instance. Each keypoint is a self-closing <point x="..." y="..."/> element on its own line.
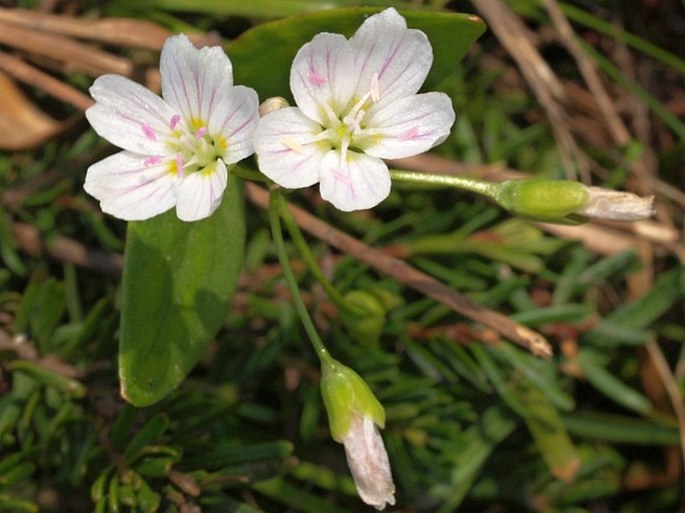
<point x="368" y="462"/>
<point x="176" y="148"/>
<point x="356" y="104"/>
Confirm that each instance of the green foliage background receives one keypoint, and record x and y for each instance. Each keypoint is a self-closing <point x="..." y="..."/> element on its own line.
<point x="471" y="426"/>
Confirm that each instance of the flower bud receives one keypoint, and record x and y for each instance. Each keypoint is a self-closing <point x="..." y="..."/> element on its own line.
<point x="565" y="200"/>
<point x="354" y="416"/>
<point x="272" y="104"/>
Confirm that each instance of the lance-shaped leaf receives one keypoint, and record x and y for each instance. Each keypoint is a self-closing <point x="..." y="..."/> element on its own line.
<point x="178" y="282"/>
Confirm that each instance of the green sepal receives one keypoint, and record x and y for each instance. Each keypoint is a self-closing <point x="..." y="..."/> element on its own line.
<point x="542" y="199"/>
<point x="346" y="394"/>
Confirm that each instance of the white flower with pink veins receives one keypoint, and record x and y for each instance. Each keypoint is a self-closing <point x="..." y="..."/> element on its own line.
<point x="176" y="148"/>
<point x="356" y="104"/>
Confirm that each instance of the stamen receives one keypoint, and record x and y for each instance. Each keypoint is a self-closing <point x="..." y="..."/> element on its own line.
<point x="349" y="120"/>
<point x="329" y="114"/>
<point x="174" y="121"/>
<point x="375" y="88"/>
<point x="293" y="145"/>
<point x="353" y="113"/>
<point x="149" y="132"/>
<point x="343" y="150"/>
<point x="200" y="133"/>
<point x="188" y="143"/>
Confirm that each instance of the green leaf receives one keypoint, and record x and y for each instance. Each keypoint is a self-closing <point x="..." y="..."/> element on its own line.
<point x="272" y="46"/>
<point x="548" y="432"/>
<point x="289" y="495"/>
<point x="148" y="499"/>
<point x="603" y="380"/>
<point x="49" y="377"/>
<point x="480" y="441"/>
<point x="620" y="429"/>
<point x="178" y="282"/>
<point x="150" y="432"/>
<point x="238" y="455"/>
<point x="8" y="247"/>
<point x="253" y="8"/>
<point x="8" y="503"/>
<point x="41" y="308"/>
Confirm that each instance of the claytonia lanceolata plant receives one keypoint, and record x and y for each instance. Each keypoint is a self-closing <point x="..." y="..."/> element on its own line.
<point x="176" y="148"/>
<point x="356" y="104"/>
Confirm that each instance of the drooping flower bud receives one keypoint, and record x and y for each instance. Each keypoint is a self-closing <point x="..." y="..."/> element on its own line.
<point x="568" y="201"/>
<point x="354" y="416"/>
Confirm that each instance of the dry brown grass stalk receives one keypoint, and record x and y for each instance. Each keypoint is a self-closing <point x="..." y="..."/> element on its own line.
<point x="549" y="91"/>
<point x="112" y="31"/>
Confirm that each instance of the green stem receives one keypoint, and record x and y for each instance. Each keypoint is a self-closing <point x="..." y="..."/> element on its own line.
<point x="277" y="233"/>
<point x="303" y="248"/>
<point x="458" y="182"/>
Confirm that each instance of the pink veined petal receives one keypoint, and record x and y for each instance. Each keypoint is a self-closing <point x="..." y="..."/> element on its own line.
<point x="193" y="79"/>
<point x="131" y="187"/>
<point x="356" y="183"/>
<point x="368" y="462"/>
<point x="322" y="77"/>
<point x="129" y="115"/>
<point x="285" y="149"/>
<point x="400" y="57"/>
<point x="235" y="119"/>
<point x="200" y="193"/>
<point x="409" y="126"/>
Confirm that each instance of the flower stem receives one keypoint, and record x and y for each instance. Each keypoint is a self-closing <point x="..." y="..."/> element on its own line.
<point x="488" y="189"/>
<point x="303" y="248"/>
<point x="277" y="234"/>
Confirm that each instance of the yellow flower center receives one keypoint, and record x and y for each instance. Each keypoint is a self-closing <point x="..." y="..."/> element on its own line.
<point x="196" y="149"/>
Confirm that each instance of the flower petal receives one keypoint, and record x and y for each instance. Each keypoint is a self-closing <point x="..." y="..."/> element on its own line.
<point x="355" y="183"/>
<point x="129" y="115"/>
<point x="199" y="194"/>
<point x="234" y="120"/>
<point x="368" y="462"/>
<point x="616" y="205"/>
<point x="400" y="57"/>
<point x="409" y="126"/>
<point x="287" y="150"/>
<point x="130" y="187"/>
<point x="322" y="77"/>
<point x="193" y="80"/>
